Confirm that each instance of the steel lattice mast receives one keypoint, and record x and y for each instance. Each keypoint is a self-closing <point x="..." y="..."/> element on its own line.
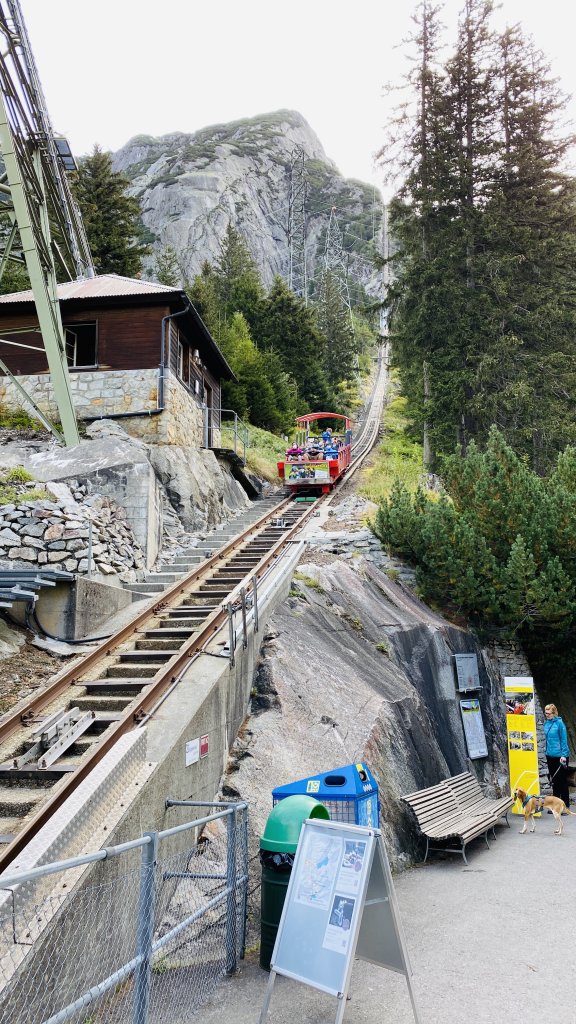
<point x="34" y="192"/>
<point x="297" y="270"/>
<point x="335" y="262"/>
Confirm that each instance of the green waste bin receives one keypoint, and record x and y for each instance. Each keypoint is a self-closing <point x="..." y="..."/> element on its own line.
<point x="277" y="850"/>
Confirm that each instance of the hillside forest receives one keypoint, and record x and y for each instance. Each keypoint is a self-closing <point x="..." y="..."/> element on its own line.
<point x="481" y="306"/>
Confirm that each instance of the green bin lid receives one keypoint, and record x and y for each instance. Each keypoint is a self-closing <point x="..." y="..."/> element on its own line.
<point x="282" y="830"/>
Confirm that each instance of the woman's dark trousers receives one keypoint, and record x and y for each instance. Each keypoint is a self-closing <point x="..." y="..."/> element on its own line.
<point x="559" y="779"/>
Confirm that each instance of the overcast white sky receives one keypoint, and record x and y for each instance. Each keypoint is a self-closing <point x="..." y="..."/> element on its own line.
<point x="117" y="68"/>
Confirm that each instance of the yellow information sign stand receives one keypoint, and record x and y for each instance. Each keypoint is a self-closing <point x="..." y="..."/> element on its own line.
<point x="521" y="733"/>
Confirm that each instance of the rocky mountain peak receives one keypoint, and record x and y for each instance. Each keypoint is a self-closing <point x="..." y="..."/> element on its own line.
<point x="191" y="186"/>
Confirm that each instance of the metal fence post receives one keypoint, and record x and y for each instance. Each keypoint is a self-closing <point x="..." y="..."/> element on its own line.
<point x="205" y="430"/>
<point x="244" y="872"/>
<point x="255" y="597"/>
<point x="244" y="626"/>
<point x="231" y="637"/>
<point x="231" y="913"/>
<point x="145" y="931"/>
<point x="89" y="573"/>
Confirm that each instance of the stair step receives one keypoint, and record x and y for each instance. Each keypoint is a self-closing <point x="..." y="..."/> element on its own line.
<point x="185" y="626"/>
<point x="113" y="687"/>
<point x="147" y="588"/>
<point x="164" y="577"/>
<point x="142" y="671"/>
<point x="168" y="632"/>
<point x="18" y="800"/>
<point x="138" y="656"/>
<point x="104" y="702"/>
<point x="161" y="643"/>
<point x="184" y="609"/>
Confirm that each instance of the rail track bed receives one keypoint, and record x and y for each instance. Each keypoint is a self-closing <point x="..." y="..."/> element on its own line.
<point x="50" y="745"/>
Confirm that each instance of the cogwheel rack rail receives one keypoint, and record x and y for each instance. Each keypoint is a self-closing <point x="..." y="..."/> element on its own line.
<point x="53" y="742"/>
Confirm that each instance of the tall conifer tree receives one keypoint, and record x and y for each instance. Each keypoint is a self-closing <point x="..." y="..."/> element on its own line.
<point x="111" y="217"/>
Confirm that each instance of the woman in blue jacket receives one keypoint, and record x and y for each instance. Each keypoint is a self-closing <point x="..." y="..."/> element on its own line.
<point x="557" y="752"/>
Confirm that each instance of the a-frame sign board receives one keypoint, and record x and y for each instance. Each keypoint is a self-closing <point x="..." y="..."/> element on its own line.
<point x="340" y="903"/>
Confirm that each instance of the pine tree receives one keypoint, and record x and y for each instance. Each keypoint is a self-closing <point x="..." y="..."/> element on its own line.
<point x="167" y="268"/>
<point x="111" y="217"/>
<point x="481" y="312"/>
<point x="335" y="324"/>
<point x="237" y="282"/>
<point x="288" y="327"/>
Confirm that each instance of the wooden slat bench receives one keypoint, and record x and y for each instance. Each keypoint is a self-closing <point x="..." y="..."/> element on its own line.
<point x="442" y="820"/>
<point x="470" y="798"/>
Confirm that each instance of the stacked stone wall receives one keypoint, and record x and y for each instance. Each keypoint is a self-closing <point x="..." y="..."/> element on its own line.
<point x="56" y="535"/>
<point x="105" y="393"/>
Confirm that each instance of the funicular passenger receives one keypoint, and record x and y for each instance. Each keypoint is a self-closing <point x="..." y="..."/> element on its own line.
<point x="295" y="453"/>
<point x="314" y="449"/>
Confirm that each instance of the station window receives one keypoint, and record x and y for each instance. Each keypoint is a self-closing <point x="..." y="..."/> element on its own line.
<point x="81" y="345"/>
<point x="181" y="363"/>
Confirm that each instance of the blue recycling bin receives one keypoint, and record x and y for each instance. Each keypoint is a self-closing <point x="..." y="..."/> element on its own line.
<point x="350" y="794"/>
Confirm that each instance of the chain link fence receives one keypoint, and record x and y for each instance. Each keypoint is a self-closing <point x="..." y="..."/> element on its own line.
<point x="135" y="934"/>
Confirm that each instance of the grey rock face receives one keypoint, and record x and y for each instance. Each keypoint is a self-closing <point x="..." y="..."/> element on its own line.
<point x="355" y="669"/>
<point x="192" y="186"/>
<point x="200" y="493"/>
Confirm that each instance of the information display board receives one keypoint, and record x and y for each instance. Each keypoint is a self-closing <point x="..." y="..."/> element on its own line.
<point x="473" y="728"/>
<point x="467" y="673"/>
<point x="340" y="903"/>
<point x="521" y="733"/>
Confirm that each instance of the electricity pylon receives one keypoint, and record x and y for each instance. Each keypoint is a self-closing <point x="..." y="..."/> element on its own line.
<point x="335" y="262"/>
<point x="34" y="192"/>
<point x="297" y="271"/>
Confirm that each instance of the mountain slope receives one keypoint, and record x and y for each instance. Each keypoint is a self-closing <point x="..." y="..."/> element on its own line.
<point x="192" y="186"/>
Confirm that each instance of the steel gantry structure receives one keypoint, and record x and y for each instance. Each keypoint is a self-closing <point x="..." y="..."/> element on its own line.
<point x="44" y="226"/>
<point x="298" y="191"/>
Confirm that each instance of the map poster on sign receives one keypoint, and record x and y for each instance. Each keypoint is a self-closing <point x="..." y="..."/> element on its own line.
<point x="340" y="905"/>
<point x="467" y="672"/>
<point x="473" y="728"/>
<point x="521" y="733"/>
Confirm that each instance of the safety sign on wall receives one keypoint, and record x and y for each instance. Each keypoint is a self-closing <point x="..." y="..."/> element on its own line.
<point x="467" y="672"/>
<point x="340" y="904"/>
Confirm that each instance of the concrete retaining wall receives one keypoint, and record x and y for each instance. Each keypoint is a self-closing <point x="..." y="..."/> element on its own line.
<point x="211" y="699"/>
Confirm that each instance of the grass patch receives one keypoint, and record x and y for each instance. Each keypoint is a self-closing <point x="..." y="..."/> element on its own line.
<point x="18" y="475"/>
<point x="355" y="623"/>
<point x="309" y="581"/>
<point x="18" y="419"/>
<point x="13" y="488"/>
<point x="264" y="450"/>
<point x="398" y="456"/>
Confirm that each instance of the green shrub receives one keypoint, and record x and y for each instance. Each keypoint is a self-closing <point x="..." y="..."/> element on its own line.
<point x="18" y="475"/>
<point x="12" y="419"/>
<point x="499" y="547"/>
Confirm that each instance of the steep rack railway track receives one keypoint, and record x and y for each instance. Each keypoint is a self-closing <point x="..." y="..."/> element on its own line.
<point x="50" y="745"/>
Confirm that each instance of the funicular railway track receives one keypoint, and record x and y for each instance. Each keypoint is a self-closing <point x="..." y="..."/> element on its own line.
<point x="50" y="745"/>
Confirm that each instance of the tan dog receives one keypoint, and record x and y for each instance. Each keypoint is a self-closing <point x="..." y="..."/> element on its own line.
<point x="532" y="804"/>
